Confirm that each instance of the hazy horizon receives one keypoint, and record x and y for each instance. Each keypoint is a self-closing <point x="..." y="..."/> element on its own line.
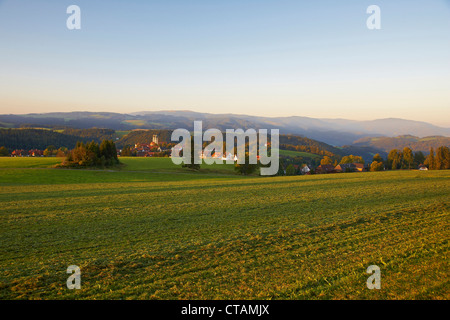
<point x="260" y="58"/>
<point x="234" y="114"/>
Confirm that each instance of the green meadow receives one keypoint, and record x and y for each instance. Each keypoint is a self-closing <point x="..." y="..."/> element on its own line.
<point x="291" y="153"/>
<point x="152" y="230"/>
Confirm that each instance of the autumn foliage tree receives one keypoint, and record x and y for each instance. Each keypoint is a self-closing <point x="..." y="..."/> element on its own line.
<point x="326" y="160"/>
<point x="352" y="159"/>
<point x="442" y="160"/>
<point x="429" y="161"/>
<point x="394" y="159"/>
<point x="407" y="158"/>
<point x="377" y="163"/>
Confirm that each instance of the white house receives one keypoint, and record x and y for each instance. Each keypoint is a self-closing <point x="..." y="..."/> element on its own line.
<point x="305" y="169"/>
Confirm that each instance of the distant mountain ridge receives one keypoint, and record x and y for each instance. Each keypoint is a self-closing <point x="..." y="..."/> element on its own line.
<point x="335" y="132"/>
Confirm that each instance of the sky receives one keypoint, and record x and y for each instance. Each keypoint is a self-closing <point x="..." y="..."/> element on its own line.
<point x="256" y="57"/>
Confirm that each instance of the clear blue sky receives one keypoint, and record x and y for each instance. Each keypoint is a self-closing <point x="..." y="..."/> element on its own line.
<point x="268" y="58"/>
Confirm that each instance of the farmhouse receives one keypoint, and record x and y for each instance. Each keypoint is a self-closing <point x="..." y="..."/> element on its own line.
<point x="325" y="168"/>
<point x="350" y="167"/>
<point x="345" y="167"/>
<point x="19" y="153"/>
<point x="305" y="170"/>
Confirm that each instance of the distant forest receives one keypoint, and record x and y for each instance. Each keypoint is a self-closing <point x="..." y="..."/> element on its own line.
<point x="36" y="139"/>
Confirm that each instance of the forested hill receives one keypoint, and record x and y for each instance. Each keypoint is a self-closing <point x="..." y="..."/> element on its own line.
<point x="298" y="143"/>
<point x="36" y="139"/>
<point x="42" y="138"/>
<point x="93" y="134"/>
<point x="415" y="143"/>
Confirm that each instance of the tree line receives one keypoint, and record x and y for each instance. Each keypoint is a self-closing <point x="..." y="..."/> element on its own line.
<point x="407" y="159"/>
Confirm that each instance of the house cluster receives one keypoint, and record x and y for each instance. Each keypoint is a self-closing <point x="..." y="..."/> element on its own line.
<point x="151" y="149"/>
<point x="146" y="150"/>
<point x="27" y="153"/>
<point x="226" y="156"/>
<point x="344" y="167"/>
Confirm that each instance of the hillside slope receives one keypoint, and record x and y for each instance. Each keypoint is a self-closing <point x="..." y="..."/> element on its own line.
<point x="415" y="143"/>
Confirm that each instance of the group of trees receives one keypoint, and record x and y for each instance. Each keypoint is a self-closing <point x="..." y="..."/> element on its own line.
<point x="407" y="159"/>
<point x="52" y="151"/>
<point x="92" y="154"/>
<point x="377" y="163"/>
<point x="440" y="160"/>
<point x="352" y="159"/>
<point x="346" y="159"/>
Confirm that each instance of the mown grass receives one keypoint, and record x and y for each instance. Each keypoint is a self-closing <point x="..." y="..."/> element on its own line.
<point x="148" y="235"/>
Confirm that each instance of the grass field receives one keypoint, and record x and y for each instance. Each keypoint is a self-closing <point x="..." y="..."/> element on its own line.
<point x="291" y="153"/>
<point x="152" y="231"/>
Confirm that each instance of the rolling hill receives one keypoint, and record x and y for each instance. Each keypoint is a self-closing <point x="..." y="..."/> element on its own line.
<point x="335" y="132"/>
<point x="415" y="143"/>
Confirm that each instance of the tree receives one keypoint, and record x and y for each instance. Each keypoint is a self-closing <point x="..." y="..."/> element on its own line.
<point x="126" y="152"/>
<point x="290" y="170"/>
<point x="50" y="151"/>
<point x="62" y="152"/>
<point x="419" y="158"/>
<point x="429" y="161"/>
<point x="408" y="158"/>
<point x="246" y="168"/>
<point x="326" y="160"/>
<point x="352" y="159"/>
<point x="377" y="158"/>
<point x="4" y="152"/>
<point x="192" y="165"/>
<point x="442" y="159"/>
<point x="394" y="159"/>
<point x="376" y="166"/>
